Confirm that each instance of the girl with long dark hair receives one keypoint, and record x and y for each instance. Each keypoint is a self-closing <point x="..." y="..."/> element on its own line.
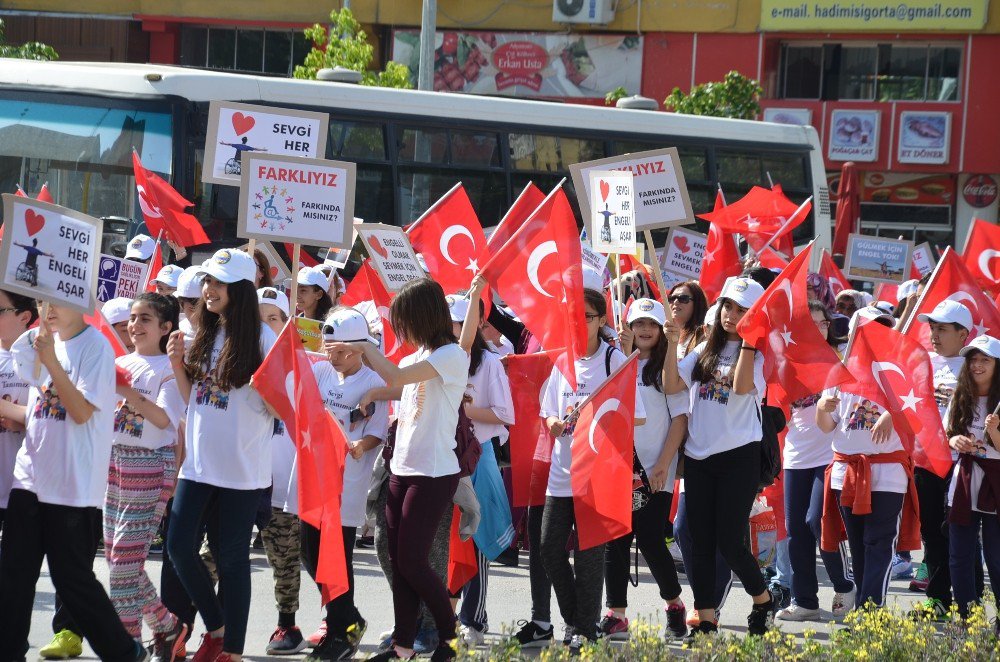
<point x="725" y="381"/>
<point x="688" y="306"/>
<point x="228" y="447"/>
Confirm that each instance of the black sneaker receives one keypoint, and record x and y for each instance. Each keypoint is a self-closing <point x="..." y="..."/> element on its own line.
<point x="706" y="628"/>
<point x="355" y="632"/>
<point x="676" y="623"/>
<point x="576" y="643"/>
<point x="761" y="618"/>
<point x="782" y="596"/>
<point x="331" y="648"/>
<point x="390" y="654"/>
<point x="444" y="652"/>
<point x="286" y="641"/>
<point x="532" y="636"/>
<point x="167" y="645"/>
<point x="509" y="557"/>
<point x="365" y="542"/>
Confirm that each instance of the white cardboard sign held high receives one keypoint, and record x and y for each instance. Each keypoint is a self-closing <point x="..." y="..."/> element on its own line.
<point x="391" y="254"/>
<point x="612" y="205"/>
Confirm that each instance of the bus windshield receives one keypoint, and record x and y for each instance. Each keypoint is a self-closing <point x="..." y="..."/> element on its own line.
<point x="83" y="152"/>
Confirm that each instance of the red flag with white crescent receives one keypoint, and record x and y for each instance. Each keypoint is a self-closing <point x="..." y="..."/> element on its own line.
<point x="982" y="249"/>
<point x="530" y="443"/>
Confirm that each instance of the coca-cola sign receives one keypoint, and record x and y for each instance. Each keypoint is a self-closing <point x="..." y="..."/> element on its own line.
<point x="980" y="191"/>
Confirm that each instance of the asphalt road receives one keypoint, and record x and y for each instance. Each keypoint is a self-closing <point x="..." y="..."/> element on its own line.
<point x="509" y="600"/>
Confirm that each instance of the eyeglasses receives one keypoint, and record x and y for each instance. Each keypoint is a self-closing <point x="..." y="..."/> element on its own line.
<point x="591" y="317"/>
<point x="7" y="310"/>
<point x="824" y="324"/>
<point x="680" y="298"/>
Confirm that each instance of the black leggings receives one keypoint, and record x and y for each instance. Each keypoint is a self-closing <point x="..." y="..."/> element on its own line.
<point x="720" y="492"/>
<point x="649" y="528"/>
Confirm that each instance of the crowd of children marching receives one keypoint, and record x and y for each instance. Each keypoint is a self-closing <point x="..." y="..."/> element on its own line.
<point x="173" y="438"/>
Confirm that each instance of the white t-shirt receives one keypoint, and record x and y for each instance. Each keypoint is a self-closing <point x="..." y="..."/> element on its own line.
<point x="341" y="395"/>
<point x="984" y="449"/>
<point x="559" y="400"/>
<point x="282" y="464"/>
<point x="489" y="387"/>
<point x="154" y="378"/>
<point x="228" y="435"/>
<point x="428" y="415"/>
<point x="652" y="435"/>
<point x="855" y="417"/>
<point x="62" y="462"/>
<point x="721" y="420"/>
<point x="946" y="371"/>
<point x="806" y="446"/>
<point x="14" y="389"/>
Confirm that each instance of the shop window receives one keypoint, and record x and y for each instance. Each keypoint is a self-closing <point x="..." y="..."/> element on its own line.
<point x="883" y="72"/>
<point x="274" y="52"/>
<point x="551" y="153"/>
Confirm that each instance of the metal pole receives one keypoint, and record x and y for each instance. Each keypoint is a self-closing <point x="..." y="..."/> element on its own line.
<point x="428" y="25"/>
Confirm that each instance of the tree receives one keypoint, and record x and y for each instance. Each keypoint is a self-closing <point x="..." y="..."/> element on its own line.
<point x="33" y="50"/>
<point x="612" y="97"/>
<point x="345" y="44"/>
<point x="736" y="96"/>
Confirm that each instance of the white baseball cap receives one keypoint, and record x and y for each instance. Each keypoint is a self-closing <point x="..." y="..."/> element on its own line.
<point x="988" y="345"/>
<point x="711" y="314"/>
<point x="646" y="309"/>
<point x="458" y="307"/>
<point x="273" y="297"/>
<point x="168" y="275"/>
<point x="346" y="325"/>
<point x="949" y="311"/>
<point x="868" y="314"/>
<point x="230" y="265"/>
<point x="884" y="306"/>
<point x="743" y="291"/>
<point x="189" y="283"/>
<point x="313" y="276"/>
<point x="593" y="280"/>
<point x="907" y="288"/>
<point x="140" y="248"/>
<point x="117" y="310"/>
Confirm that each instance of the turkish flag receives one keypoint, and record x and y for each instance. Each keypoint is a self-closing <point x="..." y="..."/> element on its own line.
<point x="357" y="290"/>
<point x="722" y="258"/>
<point x="286" y="382"/>
<point x="761" y="212"/>
<point x="515" y="217"/>
<point x="887" y="292"/>
<point x="394" y="349"/>
<point x="981" y="249"/>
<point x="538" y="272"/>
<point x="771" y="259"/>
<point x="154" y="266"/>
<point x="163" y="208"/>
<point x="462" y="562"/>
<point x="601" y="465"/>
<point x="895" y="371"/>
<point x="100" y="322"/>
<point x="530" y="442"/>
<point x="798" y="361"/>
<point x="305" y="259"/>
<point x="829" y="270"/>
<point x="451" y="239"/>
<point x="951" y="280"/>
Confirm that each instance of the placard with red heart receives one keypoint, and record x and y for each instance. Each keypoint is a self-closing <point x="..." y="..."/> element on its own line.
<point x="242" y="123"/>
<point x="33" y="221"/>
<point x="391" y="254"/>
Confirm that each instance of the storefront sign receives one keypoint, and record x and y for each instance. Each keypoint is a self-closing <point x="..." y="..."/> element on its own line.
<point x="237" y="129"/>
<point x="795" y="116"/>
<point x="854" y="135"/>
<point x="980" y="191"/>
<point x="888" y="15"/>
<point x="878" y="259"/>
<point x="908" y="188"/>
<point x="924" y="137"/>
<point x="527" y="65"/>
<point x="304" y="201"/>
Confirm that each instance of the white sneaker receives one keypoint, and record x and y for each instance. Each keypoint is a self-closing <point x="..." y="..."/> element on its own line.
<point x="901" y="568"/>
<point x="471" y="636"/>
<point x="843" y="602"/>
<point x="797" y="613"/>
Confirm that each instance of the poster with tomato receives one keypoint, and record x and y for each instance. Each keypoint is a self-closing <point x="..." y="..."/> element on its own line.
<point x="527" y="65"/>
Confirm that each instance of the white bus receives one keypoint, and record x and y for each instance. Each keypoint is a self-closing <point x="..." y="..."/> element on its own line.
<point x="74" y="125"/>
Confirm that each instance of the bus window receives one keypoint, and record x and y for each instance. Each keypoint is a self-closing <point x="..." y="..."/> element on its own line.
<point x="474" y="149"/>
<point x="424" y="145"/>
<point x="694" y="163"/>
<point x="789" y="170"/>
<point x="738" y="172"/>
<point x="419" y="188"/>
<point x="551" y="153"/>
<point x="357" y="140"/>
<point x="373" y="201"/>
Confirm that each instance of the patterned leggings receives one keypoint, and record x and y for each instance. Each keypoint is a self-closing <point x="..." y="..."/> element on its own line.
<point x="281" y="544"/>
<point x="140" y="481"/>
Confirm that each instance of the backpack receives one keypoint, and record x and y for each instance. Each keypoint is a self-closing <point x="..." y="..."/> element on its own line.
<point x="467" y="447"/>
<point x="772" y="421"/>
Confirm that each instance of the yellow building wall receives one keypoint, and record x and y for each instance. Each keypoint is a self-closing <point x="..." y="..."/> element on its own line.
<point x="530" y="15"/>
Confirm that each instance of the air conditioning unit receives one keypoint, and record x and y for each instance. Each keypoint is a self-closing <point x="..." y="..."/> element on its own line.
<point x="583" y="11"/>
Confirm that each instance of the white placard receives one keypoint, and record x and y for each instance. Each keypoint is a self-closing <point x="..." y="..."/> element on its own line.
<point x="50" y="252"/>
<point x="591" y="258"/>
<point x="118" y="277"/>
<point x="302" y="201"/>
<point x="238" y="129"/>
<point x="854" y="135"/>
<point x="924" y="137"/>
<point x="683" y="253"/>
<point x="391" y="254"/>
<point x="612" y="204"/>
<point x="338" y="257"/>
<point x="661" y="195"/>
<point x="923" y="258"/>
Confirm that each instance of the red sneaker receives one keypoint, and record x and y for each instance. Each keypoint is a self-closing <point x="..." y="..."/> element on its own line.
<point x="209" y="650"/>
<point x="318" y="635"/>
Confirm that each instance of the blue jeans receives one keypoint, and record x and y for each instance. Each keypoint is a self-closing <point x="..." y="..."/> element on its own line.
<point x="963" y="555"/>
<point x="236" y="510"/>
<point x="872" y="539"/>
<point x="682" y="534"/>
<point x="803" y="519"/>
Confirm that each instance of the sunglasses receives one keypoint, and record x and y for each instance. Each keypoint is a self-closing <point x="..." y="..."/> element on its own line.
<point x="680" y="298"/>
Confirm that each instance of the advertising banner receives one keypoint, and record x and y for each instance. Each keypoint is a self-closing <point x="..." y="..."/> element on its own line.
<point x="924" y="137"/>
<point x="888" y="15"/>
<point x="854" y="135"/>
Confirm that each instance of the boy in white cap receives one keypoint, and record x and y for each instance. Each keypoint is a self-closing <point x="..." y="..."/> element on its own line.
<point x="116" y="311"/>
<point x="950" y="324"/>
<point x="140" y="248"/>
<point x="188" y="294"/>
<point x="166" y="279"/>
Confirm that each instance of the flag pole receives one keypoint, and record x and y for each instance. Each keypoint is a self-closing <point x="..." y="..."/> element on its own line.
<point x="785" y="225"/>
<point x="927" y="287"/>
<point x="614" y="373"/>
<point x="252" y="246"/>
<point x="149" y="275"/>
<point x="294" y="287"/>
<point x="657" y="273"/>
<point x="616" y="289"/>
